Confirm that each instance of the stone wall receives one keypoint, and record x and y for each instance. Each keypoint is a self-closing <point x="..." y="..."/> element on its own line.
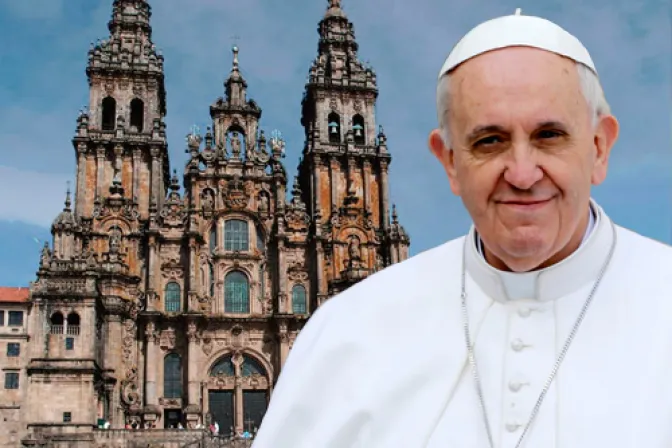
<point x="164" y="438"/>
<point x="11" y="427"/>
<point x="141" y="438"/>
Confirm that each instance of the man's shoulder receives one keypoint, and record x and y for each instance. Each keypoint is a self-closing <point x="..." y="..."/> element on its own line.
<point x="639" y="245"/>
<point x="650" y="259"/>
<point x="401" y="283"/>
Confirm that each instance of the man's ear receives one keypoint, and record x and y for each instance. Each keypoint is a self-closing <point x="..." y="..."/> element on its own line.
<point x="446" y="157"/>
<point x="606" y="134"/>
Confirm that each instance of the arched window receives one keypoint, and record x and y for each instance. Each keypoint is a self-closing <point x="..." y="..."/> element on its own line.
<point x="223" y="367"/>
<point x="172" y="298"/>
<point x="172" y="376"/>
<point x="359" y="129"/>
<point x="109" y="113"/>
<point x="299" y="299"/>
<point x="137" y="114"/>
<point x="56" y="320"/>
<point x="334" y="125"/>
<point x="251" y="366"/>
<point x="73" y="324"/>
<point x="213" y="239"/>
<point x="236" y="293"/>
<point x="236" y="236"/>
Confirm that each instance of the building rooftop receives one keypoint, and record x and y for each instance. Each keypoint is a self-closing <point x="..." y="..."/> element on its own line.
<point x="14" y="295"/>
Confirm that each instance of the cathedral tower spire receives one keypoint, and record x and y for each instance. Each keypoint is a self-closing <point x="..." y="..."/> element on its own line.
<point x="344" y="170"/>
<point x="123" y="132"/>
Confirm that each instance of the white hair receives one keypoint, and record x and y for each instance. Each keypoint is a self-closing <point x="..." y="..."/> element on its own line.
<point x="590" y="87"/>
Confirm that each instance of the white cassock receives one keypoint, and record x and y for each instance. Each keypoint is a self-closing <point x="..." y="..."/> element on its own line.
<point x="384" y="364"/>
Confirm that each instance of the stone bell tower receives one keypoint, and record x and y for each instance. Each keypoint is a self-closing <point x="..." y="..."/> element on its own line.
<point x="343" y="173"/>
<point x="122" y="137"/>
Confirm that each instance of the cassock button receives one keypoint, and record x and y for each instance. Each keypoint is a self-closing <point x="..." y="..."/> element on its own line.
<point x="524" y="312"/>
<point x="517" y="345"/>
<point x="512" y="427"/>
<point x="514" y="386"/>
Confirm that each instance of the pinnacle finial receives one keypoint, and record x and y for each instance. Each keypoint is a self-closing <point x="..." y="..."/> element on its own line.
<point x="68" y="203"/>
<point x="334" y="3"/>
<point x="518" y="11"/>
<point x="235" y="50"/>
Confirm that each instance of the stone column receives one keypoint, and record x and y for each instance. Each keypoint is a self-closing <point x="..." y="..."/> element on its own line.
<point x="333" y="181"/>
<point x="137" y="165"/>
<point x="193" y="265"/>
<point x="317" y="200"/>
<point x="282" y="277"/>
<point x="384" y="195"/>
<point x="155" y="176"/>
<point x="151" y="268"/>
<point x="321" y="286"/>
<point x="283" y="337"/>
<point x="238" y="394"/>
<point x="80" y="193"/>
<point x="100" y="171"/>
<point x="192" y="372"/>
<point x="151" y="357"/>
<point x="366" y="173"/>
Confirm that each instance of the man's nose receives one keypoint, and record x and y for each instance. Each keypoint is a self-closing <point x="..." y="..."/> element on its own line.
<point x="522" y="169"/>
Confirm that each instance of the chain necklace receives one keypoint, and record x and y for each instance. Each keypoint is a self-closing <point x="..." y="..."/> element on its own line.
<point x="556" y="366"/>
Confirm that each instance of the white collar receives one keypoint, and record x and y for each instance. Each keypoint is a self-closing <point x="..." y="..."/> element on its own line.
<point x="552" y="282"/>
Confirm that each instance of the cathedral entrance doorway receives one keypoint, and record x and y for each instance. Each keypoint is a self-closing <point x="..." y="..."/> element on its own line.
<point x="238" y="393"/>
<point x="172" y="418"/>
<point x="220" y="403"/>
<point x="254" y="408"/>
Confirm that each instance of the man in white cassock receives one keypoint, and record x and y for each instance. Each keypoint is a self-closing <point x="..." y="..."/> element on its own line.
<point x="545" y="326"/>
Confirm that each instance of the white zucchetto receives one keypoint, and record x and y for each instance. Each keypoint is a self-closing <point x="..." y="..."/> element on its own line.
<point x="517" y="31"/>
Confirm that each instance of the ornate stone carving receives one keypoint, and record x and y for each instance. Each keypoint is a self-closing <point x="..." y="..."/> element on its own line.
<point x="192" y="332"/>
<point x="236" y="197"/>
<point x="167" y="341"/>
<point x="208" y="200"/>
<point x="207" y="345"/>
<point x="297" y="272"/>
<point x="130" y="392"/>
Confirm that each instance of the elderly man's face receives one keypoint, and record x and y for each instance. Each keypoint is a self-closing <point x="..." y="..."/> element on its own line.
<point x="524" y="154"/>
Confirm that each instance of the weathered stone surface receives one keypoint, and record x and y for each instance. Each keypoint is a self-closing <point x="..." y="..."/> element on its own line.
<point x="155" y="308"/>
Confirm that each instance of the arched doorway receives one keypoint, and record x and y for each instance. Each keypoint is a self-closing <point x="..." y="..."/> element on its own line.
<point x="238" y="393"/>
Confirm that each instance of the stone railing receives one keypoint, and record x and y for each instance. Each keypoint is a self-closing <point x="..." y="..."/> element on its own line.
<point x="165" y="438"/>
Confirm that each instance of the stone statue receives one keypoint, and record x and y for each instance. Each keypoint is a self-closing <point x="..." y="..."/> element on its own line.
<point x="353" y="249"/>
<point x="208" y="200"/>
<point x="235" y="144"/>
<point x="263" y="203"/>
<point x="45" y="258"/>
<point x="115" y="241"/>
<point x="354" y="253"/>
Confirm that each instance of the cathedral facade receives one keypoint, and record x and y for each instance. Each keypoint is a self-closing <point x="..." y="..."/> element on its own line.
<point x="165" y="301"/>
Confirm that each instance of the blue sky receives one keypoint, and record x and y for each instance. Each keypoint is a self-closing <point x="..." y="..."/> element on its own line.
<point x="43" y="86"/>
